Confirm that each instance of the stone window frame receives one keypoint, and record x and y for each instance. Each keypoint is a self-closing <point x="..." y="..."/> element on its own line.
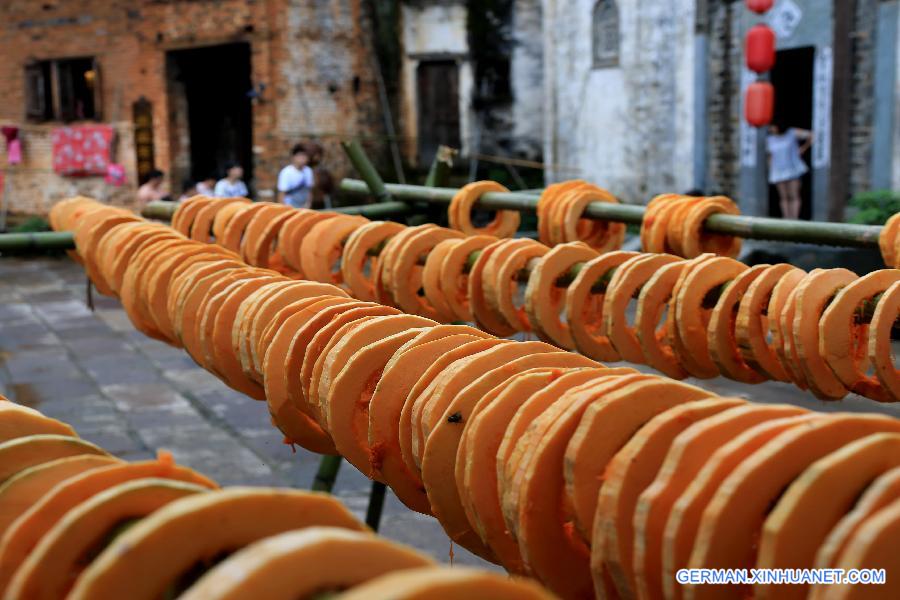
<point x="605" y="34"/>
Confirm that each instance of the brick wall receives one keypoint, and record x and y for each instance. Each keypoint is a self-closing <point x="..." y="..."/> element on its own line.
<point x="313" y="58"/>
<point x="724" y="67"/>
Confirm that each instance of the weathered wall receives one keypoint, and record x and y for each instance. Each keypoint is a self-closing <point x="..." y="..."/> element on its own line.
<point x="433" y="31"/>
<point x="313" y="57"/>
<point x="628" y="128"/>
<point x="526" y="79"/>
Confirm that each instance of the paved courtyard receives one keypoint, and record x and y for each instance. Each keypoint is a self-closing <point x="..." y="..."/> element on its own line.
<point x="132" y="395"/>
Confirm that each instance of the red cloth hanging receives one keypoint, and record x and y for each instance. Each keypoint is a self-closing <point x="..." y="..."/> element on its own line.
<point x="82" y="150"/>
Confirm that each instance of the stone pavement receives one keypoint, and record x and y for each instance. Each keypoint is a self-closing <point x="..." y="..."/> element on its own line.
<point x="132" y="395"/>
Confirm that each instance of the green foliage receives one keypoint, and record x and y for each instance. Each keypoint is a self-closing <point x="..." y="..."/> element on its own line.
<point x="874" y="207"/>
<point x="31" y="225"/>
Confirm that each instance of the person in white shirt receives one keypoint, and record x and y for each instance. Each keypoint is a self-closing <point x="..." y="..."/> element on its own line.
<point x="786" y="166"/>
<point x="207" y="186"/>
<point x="231" y="186"/>
<point x="295" y="181"/>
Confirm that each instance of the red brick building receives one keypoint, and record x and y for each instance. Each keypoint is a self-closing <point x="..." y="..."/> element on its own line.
<point x="222" y="80"/>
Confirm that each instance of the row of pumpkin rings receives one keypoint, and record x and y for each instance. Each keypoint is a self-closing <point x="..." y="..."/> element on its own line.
<point x="80" y="523"/>
<point x="429" y="408"/>
<point x="704" y="335"/>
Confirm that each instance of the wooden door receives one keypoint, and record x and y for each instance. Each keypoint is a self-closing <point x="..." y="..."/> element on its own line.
<point x="438" y="95"/>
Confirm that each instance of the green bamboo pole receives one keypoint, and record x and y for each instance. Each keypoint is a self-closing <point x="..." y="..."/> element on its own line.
<point x="162" y="211"/>
<point x="327" y="474"/>
<point x="372" y="180"/>
<point x="758" y="228"/>
<point x="38" y="240"/>
<point x="440" y="167"/>
<point x="382" y="210"/>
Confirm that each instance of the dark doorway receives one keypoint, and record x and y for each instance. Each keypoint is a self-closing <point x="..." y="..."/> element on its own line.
<point x="210" y="111"/>
<point x="792" y="77"/>
<point x="438" y="93"/>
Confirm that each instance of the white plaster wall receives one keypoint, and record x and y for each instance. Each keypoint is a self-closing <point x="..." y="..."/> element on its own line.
<point x="631" y="128"/>
<point x="526" y="78"/>
<point x="434" y="30"/>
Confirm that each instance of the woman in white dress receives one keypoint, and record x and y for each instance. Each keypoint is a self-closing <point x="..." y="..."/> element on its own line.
<point x="786" y="165"/>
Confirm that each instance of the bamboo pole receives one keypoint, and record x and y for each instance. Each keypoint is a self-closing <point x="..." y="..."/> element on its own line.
<point x="756" y="228"/>
<point x="38" y="240"/>
<point x="373" y="182"/>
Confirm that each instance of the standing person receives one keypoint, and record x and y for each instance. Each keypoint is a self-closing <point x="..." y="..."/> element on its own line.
<point x="323" y="185"/>
<point x="152" y="189"/>
<point x="296" y="180"/>
<point x="231" y="185"/>
<point x="786" y="165"/>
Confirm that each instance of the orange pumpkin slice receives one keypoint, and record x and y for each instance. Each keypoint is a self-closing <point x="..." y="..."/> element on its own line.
<point x="626" y="475"/>
<point x="459" y="213"/>
<point x="346" y="405"/>
<point x="259" y="333"/>
<point x="400" y="375"/>
<point x="431" y="279"/>
<point x="27" y="531"/>
<point x="479" y="277"/>
<point x="292" y="233"/>
<point x="24" y="452"/>
<point x="223" y="218"/>
<point x="603" y="430"/>
<point x="17" y="421"/>
<point x="381" y="280"/>
<point x="207" y="526"/>
<point x="813" y="294"/>
<point x="202" y="227"/>
<point x="884" y="490"/>
<point x="434" y="583"/>
<point x="439" y="457"/>
<point x="547" y="202"/>
<point x="502" y="289"/>
<point x="114" y="269"/>
<point x="675" y="230"/>
<point x="654" y="224"/>
<point x="261" y="232"/>
<point x="318" y="344"/>
<point x="26" y="487"/>
<point x="233" y="235"/>
<point x="695" y="241"/>
<point x="267" y="567"/>
<point x="355" y="256"/>
<point x="584" y="306"/>
<point x="410" y="416"/>
<point x="887" y="241"/>
<point x="454" y="278"/>
<point x="655" y="332"/>
<point x="321" y="247"/>
<point x="602" y="236"/>
<point x="432" y="403"/>
<point x="754" y="319"/>
<point x="873" y="546"/>
<point x="406" y="274"/>
<point x="687" y="513"/>
<point x="551" y="549"/>
<point x="685" y="458"/>
<point x="721" y="335"/>
<point x="816" y="501"/>
<point x="219" y="352"/>
<point x="544" y="301"/>
<point x="68" y="545"/>
<point x="733" y="518"/>
<point x="284" y="358"/>
<point x="87" y="238"/>
<point x="188" y="292"/>
<point x="623" y="287"/>
<point x="692" y="316"/>
<point x="881" y="353"/>
<point x="843" y="340"/>
<point x="488" y="437"/>
<point x="187" y="211"/>
<point x="783" y="337"/>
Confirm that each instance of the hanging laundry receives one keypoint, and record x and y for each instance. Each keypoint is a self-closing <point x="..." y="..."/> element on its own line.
<point x="82" y="150"/>
<point x="13" y="144"/>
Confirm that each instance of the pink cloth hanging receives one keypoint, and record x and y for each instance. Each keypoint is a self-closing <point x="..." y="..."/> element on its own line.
<point x="82" y="150"/>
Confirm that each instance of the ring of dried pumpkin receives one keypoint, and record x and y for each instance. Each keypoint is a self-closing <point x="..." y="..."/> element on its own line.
<point x="504" y="224"/>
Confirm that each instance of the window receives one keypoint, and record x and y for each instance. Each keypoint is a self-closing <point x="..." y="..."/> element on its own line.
<point x="63" y="90"/>
<point x="605" y="34"/>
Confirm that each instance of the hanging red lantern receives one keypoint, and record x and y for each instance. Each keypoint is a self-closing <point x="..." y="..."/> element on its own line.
<point x="759" y="49"/>
<point x="759" y="103"/>
<point x="759" y="6"/>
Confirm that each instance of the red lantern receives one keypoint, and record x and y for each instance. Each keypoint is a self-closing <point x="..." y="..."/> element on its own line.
<point x="759" y="6"/>
<point x="759" y="103"/>
<point x="759" y="49"/>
